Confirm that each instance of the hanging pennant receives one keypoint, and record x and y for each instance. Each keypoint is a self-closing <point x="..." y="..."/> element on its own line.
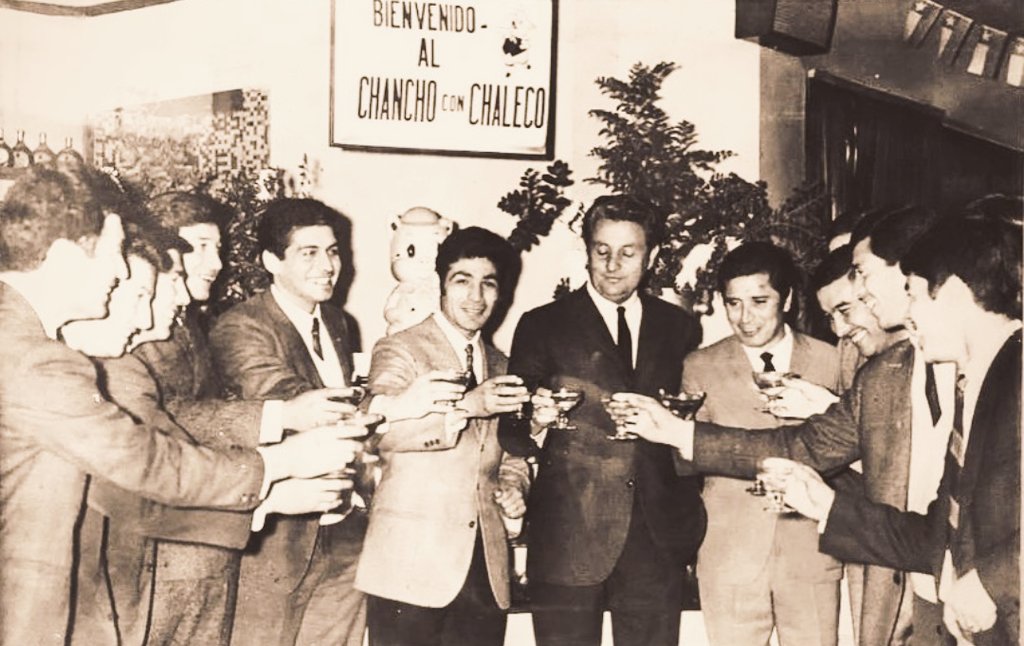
<point x="1013" y="69"/>
<point x="920" y="19"/>
<point x="953" y="28"/>
<point x="982" y="51"/>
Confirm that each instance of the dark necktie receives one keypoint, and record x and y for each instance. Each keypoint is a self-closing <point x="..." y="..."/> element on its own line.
<point x="954" y="463"/>
<point x="317" y="348"/>
<point x="768" y="365"/>
<point x="625" y="342"/>
<point x="931" y="393"/>
<point x="472" y="383"/>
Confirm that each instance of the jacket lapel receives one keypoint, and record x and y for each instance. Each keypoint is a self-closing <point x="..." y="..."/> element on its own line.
<point x="595" y="334"/>
<point x="334" y="320"/>
<point x="294" y="347"/>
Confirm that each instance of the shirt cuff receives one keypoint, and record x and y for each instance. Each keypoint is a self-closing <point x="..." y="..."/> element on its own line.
<point x="267" y="482"/>
<point x="272" y="422"/>
<point x="259" y="519"/>
<point x="687" y="440"/>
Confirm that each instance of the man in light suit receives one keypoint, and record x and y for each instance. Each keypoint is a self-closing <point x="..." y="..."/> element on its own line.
<point x="196" y="582"/>
<point x="611" y="525"/>
<point x="435" y="561"/>
<point x="297" y="577"/>
<point x="758" y="569"/>
<point x="61" y="256"/>
<point x="884" y="420"/>
<point x="964" y="282"/>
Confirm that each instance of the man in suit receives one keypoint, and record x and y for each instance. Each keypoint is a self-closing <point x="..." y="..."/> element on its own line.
<point x="297" y="577"/>
<point x="61" y="256"/>
<point x="879" y="420"/>
<point x="610" y="523"/>
<point x="964" y="282"/>
<point x="196" y="582"/>
<point x="759" y="570"/>
<point x="435" y="561"/>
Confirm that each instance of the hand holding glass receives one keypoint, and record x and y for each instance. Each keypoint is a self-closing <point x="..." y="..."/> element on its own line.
<point x="684" y="405"/>
<point x="619" y="410"/>
<point x="770" y="484"/>
<point x="565" y="400"/>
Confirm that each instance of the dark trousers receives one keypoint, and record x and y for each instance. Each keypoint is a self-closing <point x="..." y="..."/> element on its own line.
<point x="643" y="592"/>
<point x="473" y="618"/>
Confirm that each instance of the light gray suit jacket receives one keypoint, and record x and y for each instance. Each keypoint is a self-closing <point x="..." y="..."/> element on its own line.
<point x="741" y="535"/>
<point x="436" y="491"/>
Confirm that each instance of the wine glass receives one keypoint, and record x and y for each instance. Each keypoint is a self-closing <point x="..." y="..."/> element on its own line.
<point x="355" y="395"/>
<point x="772" y="471"/>
<point x="565" y="399"/>
<point x="357" y="426"/>
<point x="618" y="410"/>
<point x="684" y="405"/>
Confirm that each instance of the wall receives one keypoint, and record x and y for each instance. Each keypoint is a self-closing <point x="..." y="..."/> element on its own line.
<point x="54" y="71"/>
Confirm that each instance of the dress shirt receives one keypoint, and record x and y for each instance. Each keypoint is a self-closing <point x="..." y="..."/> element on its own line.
<point x="974" y="374"/>
<point x="609" y="312"/>
<point x="459" y="342"/>
<point x="928" y="443"/>
<point x="329" y="368"/>
<point x="781" y="351"/>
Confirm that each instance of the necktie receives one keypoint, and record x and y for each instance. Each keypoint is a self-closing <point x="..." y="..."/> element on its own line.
<point x="768" y="365"/>
<point x="931" y="393"/>
<point x="954" y="463"/>
<point x="317" y="348"/>
<point x="625" y="341"/>
<point x="469" y="368"/>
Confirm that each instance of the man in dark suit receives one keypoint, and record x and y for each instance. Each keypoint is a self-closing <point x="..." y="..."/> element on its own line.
<point x="297" y="577"/>
<point x="964" y="282"/>
<point x="759" y="570"/>
<point x="196" y="582"/>
<point x="436" y="562"/>
<point x="878" y="421"/>
<point x="61" y="256"/>
<point x="609" y="522"/>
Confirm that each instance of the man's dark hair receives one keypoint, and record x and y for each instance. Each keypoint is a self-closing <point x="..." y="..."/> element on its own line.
<point x="153" y="242"/>
<point x="982" y="251"/>
<point x="177" y="209"/>
<point x="44" y="206"/>
<point x="623" y="208"/>
<point x="1009" y="208"/>
<point x="760" y="258"/>
<point x="891" y="233"/>
<point x="477" y="242"/>
<point x="836" y="265"/>
<point x="281" y="218"/>
<point x="847" y="222"/>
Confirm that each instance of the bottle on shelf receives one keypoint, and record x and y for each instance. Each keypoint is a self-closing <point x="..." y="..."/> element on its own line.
<point x="42" y="155"/>
<point x="22" y="156"/>
<point x="6" y="154"/>
<point x="68" y="157"/>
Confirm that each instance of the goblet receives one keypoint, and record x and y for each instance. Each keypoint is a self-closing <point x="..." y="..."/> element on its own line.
<point x="354" y="396"/>
<point x="618" y="410"/>
<point x="358" y="426"/>
<point x="770" y="473"/>
<point x="684" y="405"/>
<point x="565" y="399"/>
<point x="770" y="379"/>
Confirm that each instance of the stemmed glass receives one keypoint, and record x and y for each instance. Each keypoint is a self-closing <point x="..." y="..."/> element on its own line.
<point x="684" y="405"/>
<point x="355" y="395"/>
<point x="356" y="426"/>
<point x="565" y="400"/>
<point x="770" y="472"/>
<point x="618" y="410"/>
<point x="769" y="379"/>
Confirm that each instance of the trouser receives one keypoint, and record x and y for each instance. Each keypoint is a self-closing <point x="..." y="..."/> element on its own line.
<point x="473" y="618"/>
<point x="643" y="593"/>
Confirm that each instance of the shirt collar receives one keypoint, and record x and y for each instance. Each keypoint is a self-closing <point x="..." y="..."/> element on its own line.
<point x="782" y="352"/>
<point x="609" y="309"/>
<point x="301" y="319"/>
<point x="455" y="337"/>
<point x="985" y="352"/>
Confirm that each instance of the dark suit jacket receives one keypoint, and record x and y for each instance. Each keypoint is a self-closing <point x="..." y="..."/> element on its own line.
<point x="582" y="501"/>
<point x="55" y="429"/>
<point x="987" y="537"/>
<point x="871" y="422"/>
<point x="261" y="356"/>
<point x="742" y="536"/>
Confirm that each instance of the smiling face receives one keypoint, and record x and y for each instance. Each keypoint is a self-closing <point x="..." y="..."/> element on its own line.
<point x="91" y="269"/>
<point x="880" y="286"/>
<point x="171" y="295"/>
<point x="850" y="318"/>
<point x="936" y="323"/>
<point x="754" y="310"/>
<point x="469" y="293"/>
<point x="617" y="258"/>
<point x="203" y="263"/>
<point x="130" y="312"/>
<point x="310" y="267"/>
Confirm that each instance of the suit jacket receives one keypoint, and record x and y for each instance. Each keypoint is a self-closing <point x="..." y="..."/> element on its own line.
<point x="741" y="534"/>
<point x="260" y="356"/>
<point x="587" y="486"/>
<point x="987" y="535"/>
<point x="56" y="428"/>
<point x="437" y="491"/>
<point x="872" y="423"/>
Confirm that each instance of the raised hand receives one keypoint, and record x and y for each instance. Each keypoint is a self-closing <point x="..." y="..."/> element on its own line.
<point x="655" y="423"/>
<point x="968" y="606"/>
<point x="315" y="408"/>
<point x="798" y="399"/>
<point x="305" y="495"/>
<point x="801" y="486"/>
<point x="501" y="394"/>
<point x="544" y="410"/>
<point x="432" y="392"/>
<point x="310" y="454"/>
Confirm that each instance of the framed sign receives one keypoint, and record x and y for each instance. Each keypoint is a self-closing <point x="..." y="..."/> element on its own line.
<point x="470" y="77"/>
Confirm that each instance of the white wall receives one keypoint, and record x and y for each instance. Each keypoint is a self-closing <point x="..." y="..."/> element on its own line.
<point x="55" y="71"/>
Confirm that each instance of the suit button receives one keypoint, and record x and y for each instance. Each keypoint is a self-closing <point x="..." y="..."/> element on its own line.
<point x="630" y="483"/>
<point x="897" y="578"/>
<point x="472" y="524"/>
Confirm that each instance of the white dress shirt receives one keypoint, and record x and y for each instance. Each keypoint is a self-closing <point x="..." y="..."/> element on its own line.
<point x="458" y="341"/>
<point x="781" y="350"/>
<point x="329" y="367"/>
<point x="609" y="312"/>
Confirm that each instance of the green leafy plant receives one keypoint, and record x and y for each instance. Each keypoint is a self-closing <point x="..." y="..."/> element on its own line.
<point x="537" y="203"/>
